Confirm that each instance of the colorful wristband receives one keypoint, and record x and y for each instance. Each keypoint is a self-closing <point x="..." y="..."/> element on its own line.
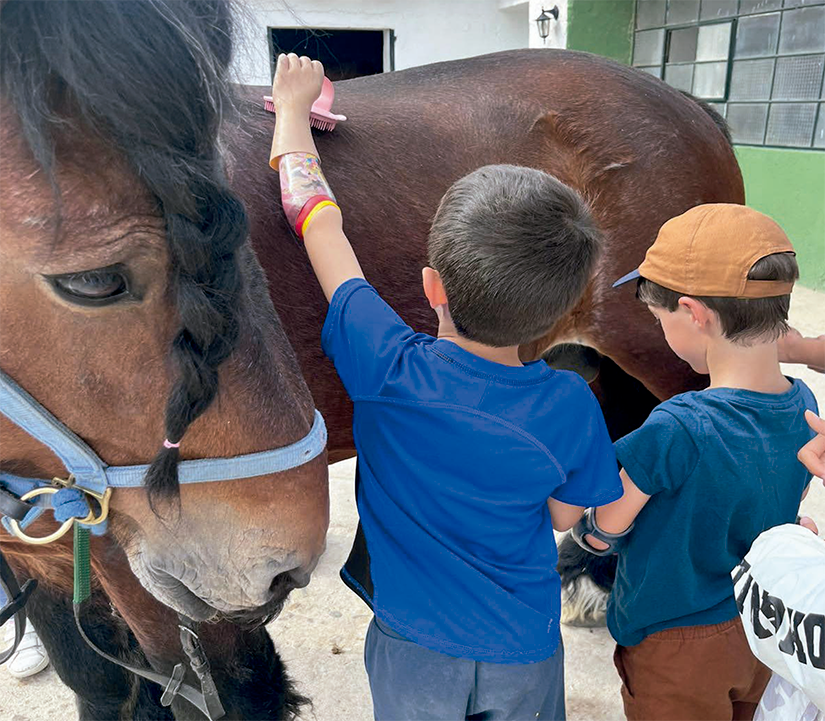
<point x="304" y="189"/>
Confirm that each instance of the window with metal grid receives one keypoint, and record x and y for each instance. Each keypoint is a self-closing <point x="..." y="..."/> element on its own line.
<point x="761" y="63"/>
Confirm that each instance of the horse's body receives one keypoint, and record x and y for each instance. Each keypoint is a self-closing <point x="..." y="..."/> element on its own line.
<point x="637" y="150"/>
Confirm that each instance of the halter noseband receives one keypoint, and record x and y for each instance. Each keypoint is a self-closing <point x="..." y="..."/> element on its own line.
<point x="90" y="475"/>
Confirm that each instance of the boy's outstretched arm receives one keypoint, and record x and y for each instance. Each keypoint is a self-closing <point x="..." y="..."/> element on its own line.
<point x="308" y="200"/>
<point x="618" y="517"/>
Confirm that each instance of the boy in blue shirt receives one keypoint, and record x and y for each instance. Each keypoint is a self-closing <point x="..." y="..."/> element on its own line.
<point x="708" y="471"/>
<point x="467" y="458"/>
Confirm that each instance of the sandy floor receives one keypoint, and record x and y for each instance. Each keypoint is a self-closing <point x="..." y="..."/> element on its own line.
<point x="320" y="633"/>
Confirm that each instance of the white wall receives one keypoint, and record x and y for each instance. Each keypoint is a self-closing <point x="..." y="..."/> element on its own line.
<point x="426" y="31"/>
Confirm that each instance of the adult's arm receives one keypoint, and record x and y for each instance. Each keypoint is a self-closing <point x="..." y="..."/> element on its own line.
<point x="796" y="348"/>
<point x="812" y="454"/>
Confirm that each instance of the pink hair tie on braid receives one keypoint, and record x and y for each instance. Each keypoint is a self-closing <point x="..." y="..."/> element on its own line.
<point x="168" y="444"/>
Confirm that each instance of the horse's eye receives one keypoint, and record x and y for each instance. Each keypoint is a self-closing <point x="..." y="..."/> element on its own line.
<point x="101" y="286"/>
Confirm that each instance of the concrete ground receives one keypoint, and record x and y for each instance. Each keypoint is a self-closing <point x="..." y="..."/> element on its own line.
<point x="321" y="631"/>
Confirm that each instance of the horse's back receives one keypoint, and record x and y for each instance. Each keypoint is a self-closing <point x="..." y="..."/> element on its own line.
<point x="514" y="102"/>
<point x="610" y="131"/>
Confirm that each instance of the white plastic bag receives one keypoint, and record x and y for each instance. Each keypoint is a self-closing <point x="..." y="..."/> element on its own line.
<point x="782" y="701"/>
<point x="780" y="591"/>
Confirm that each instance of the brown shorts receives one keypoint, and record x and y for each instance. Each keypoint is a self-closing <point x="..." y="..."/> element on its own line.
<point x="695" y="673"/>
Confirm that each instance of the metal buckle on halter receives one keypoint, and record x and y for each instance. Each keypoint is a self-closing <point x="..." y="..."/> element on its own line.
<point x="199" y="663"/>
<point x="172" y="688"/>
<point x="91" y="518"/>
<point x="71" y="482"/>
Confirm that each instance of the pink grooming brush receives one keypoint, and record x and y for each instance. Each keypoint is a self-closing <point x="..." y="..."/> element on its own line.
<point x="321" y="115"/>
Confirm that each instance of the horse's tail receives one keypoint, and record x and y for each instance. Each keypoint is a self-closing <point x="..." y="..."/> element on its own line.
<point x="718" y="120"/>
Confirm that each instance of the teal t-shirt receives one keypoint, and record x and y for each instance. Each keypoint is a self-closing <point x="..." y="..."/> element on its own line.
<point x="720" y="466"/>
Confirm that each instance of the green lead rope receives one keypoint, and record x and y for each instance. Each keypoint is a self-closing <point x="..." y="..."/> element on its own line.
<point x="82" y="565"/>
<point x="207" y="700"/>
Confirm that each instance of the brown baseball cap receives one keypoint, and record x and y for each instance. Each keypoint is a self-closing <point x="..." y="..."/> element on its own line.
<point x="709" y="250"/>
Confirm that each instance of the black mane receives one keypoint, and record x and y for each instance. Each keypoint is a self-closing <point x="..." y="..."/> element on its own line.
<point x="720" y="122"/>
<point x="150" y="77"/>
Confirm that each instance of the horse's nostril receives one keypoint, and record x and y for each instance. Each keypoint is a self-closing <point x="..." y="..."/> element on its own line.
<point x="283" y="583"/>
<point x="300" y="577"/>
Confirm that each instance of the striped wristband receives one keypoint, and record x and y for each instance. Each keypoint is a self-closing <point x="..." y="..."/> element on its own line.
<point x="310" y="210"/>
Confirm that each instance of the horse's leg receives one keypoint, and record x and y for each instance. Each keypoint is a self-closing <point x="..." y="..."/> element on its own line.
<point x="104" y="691"/>
<point x="245" y="666"/>
<point x="249" y="673"/>
<point x="630" y="337"/>
<point x="626" y="403"/>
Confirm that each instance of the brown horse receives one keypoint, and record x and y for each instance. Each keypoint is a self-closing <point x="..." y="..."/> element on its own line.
<point x="639" y="151"/>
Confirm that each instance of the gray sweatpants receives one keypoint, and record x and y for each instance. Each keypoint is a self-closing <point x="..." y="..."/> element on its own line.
<point x="413" y="683"/>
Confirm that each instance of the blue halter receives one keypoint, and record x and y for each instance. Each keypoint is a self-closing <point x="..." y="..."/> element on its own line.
<point x="91" y="475"/>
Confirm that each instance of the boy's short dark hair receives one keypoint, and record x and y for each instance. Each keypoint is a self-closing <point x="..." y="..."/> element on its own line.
<point x="742" y="319"/>
<point x="515" y="248"/>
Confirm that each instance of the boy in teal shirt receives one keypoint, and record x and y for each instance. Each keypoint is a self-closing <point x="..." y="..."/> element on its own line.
<point x="708" y="471"/>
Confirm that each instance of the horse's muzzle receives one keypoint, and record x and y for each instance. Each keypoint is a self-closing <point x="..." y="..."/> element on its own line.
<point x="249" y="595"/>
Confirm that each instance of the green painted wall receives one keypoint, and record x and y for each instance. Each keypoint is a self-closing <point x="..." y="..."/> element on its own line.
<point x="789" y="185"/>
<point x="604" y="27"/>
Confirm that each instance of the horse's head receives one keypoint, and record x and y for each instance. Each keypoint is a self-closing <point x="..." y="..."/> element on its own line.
<point x="133" y="308"/>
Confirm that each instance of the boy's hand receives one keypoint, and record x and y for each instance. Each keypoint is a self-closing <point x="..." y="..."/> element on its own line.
<point x="297" y="83"/>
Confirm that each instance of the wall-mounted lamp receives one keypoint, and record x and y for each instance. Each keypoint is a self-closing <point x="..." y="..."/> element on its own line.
<point x="543" y="21"/>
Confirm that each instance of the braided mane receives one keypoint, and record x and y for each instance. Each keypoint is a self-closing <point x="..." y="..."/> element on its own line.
<point x="150" y="77"/>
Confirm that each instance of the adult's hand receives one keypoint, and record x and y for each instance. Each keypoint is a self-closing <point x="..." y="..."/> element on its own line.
<point x="812" y="454"/>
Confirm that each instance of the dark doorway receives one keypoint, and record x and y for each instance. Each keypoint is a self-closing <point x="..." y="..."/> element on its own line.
<point x="344" y="53"/>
